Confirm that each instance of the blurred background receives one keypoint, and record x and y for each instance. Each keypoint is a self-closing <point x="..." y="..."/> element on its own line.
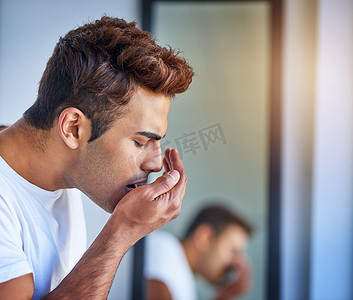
<point x="221" y="125"/>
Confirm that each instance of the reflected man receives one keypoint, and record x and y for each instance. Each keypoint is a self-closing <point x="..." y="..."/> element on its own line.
<point x="214" y="248"/>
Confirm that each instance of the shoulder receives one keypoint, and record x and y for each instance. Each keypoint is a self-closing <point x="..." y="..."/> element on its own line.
<point x="8" y="205"/>
<point x="166" y="263"/>
<point x="6" y="185"/>
<point x="162" y="240"/>
<point x="162" y="237"/>
<point x="163" y="251"/>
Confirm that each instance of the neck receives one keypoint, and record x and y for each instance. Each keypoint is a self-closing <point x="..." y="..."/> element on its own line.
<point x="34" y="154"/>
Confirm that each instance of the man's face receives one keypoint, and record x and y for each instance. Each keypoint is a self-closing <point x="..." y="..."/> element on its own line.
<point x="127" y="153"/>
<point x="223" y="250"/>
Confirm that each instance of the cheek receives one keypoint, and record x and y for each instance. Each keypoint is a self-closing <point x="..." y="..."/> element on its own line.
<point x="216" y="261"/>
<point x="134" y="160"/>
<point x="215" y="268"/>
<point x="228" y="256"/>
<point x="224" y="256"/>
<point x="121" y="163"/>
<point x="105" y="167"/>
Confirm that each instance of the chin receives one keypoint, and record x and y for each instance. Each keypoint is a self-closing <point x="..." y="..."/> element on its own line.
<point x="109" y="210"/>
<point x="106" y="207"/>
<point x="108" y="204"/>
<point x="113" y="204"/>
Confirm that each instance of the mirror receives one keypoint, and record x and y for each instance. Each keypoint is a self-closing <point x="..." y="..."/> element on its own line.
<point x="226" y="125"/>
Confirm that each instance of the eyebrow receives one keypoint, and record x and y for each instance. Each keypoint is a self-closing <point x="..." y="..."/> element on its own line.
<point x="150" y="135"/>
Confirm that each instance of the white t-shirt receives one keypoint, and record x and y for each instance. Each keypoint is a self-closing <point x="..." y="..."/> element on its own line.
<point x="166" y="262"/>
<point x="41" y="232"/>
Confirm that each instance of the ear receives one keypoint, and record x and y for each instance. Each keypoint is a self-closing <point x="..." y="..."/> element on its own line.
<point x="203" y="236"/>
<point x="74" y="127"/>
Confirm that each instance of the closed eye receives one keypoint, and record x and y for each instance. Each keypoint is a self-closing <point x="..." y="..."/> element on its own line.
<point x="138" y="145"/>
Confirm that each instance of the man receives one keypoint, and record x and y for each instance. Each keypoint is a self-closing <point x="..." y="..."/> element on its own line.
<point x="96" y="126"/>
<point x="212" y="248"/>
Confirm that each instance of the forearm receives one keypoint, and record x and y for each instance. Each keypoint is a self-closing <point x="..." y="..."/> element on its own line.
<point x="92" y="276"/>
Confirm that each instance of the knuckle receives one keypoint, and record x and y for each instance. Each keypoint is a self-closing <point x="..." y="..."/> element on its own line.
<point x="166" y="182"/>
<point x="147" y="193"/>
<point x="183" y="175"/>
<point x="176" y="208"/>
<point x="176" y="214"/>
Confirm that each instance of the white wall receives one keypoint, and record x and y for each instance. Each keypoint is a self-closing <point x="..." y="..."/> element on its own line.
<point x="332" y="209"/>
<point x="317" y="196"/>
<point x="29" y="31"/>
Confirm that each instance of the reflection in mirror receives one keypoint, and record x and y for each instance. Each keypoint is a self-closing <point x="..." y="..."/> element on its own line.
<point x="221" y="126"/>
<point x="213" y="247"/>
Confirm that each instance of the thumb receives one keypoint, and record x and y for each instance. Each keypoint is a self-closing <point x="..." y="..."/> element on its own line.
<point x="164" y="183"/>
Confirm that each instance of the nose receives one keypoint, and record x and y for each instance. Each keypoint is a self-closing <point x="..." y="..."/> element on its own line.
<point x="153" y="160"/>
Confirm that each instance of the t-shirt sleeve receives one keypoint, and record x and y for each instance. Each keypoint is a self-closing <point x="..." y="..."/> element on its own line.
<point x="13" y="261"/>
<point x="161" y="258"/>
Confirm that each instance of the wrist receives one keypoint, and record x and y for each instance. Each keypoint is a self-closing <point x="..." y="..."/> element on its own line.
<point x="121" y="234"/>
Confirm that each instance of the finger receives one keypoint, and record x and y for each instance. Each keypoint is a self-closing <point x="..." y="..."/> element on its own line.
<point x="172" y="161"/>
<point x="167" y="158"/>
<point x="165" y="165"/>
<point x="175" y="161"/>
<point x="164" y="183"/>
<point x="177" y="164"/>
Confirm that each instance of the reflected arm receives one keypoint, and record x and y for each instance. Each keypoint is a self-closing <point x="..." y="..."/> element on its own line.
<point x="157" y="290"/>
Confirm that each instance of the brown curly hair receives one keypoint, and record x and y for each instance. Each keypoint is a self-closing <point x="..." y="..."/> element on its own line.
<point x="97" y="68"/>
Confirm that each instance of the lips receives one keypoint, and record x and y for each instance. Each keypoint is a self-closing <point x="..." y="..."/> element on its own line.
<point x="132" y="186"/>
